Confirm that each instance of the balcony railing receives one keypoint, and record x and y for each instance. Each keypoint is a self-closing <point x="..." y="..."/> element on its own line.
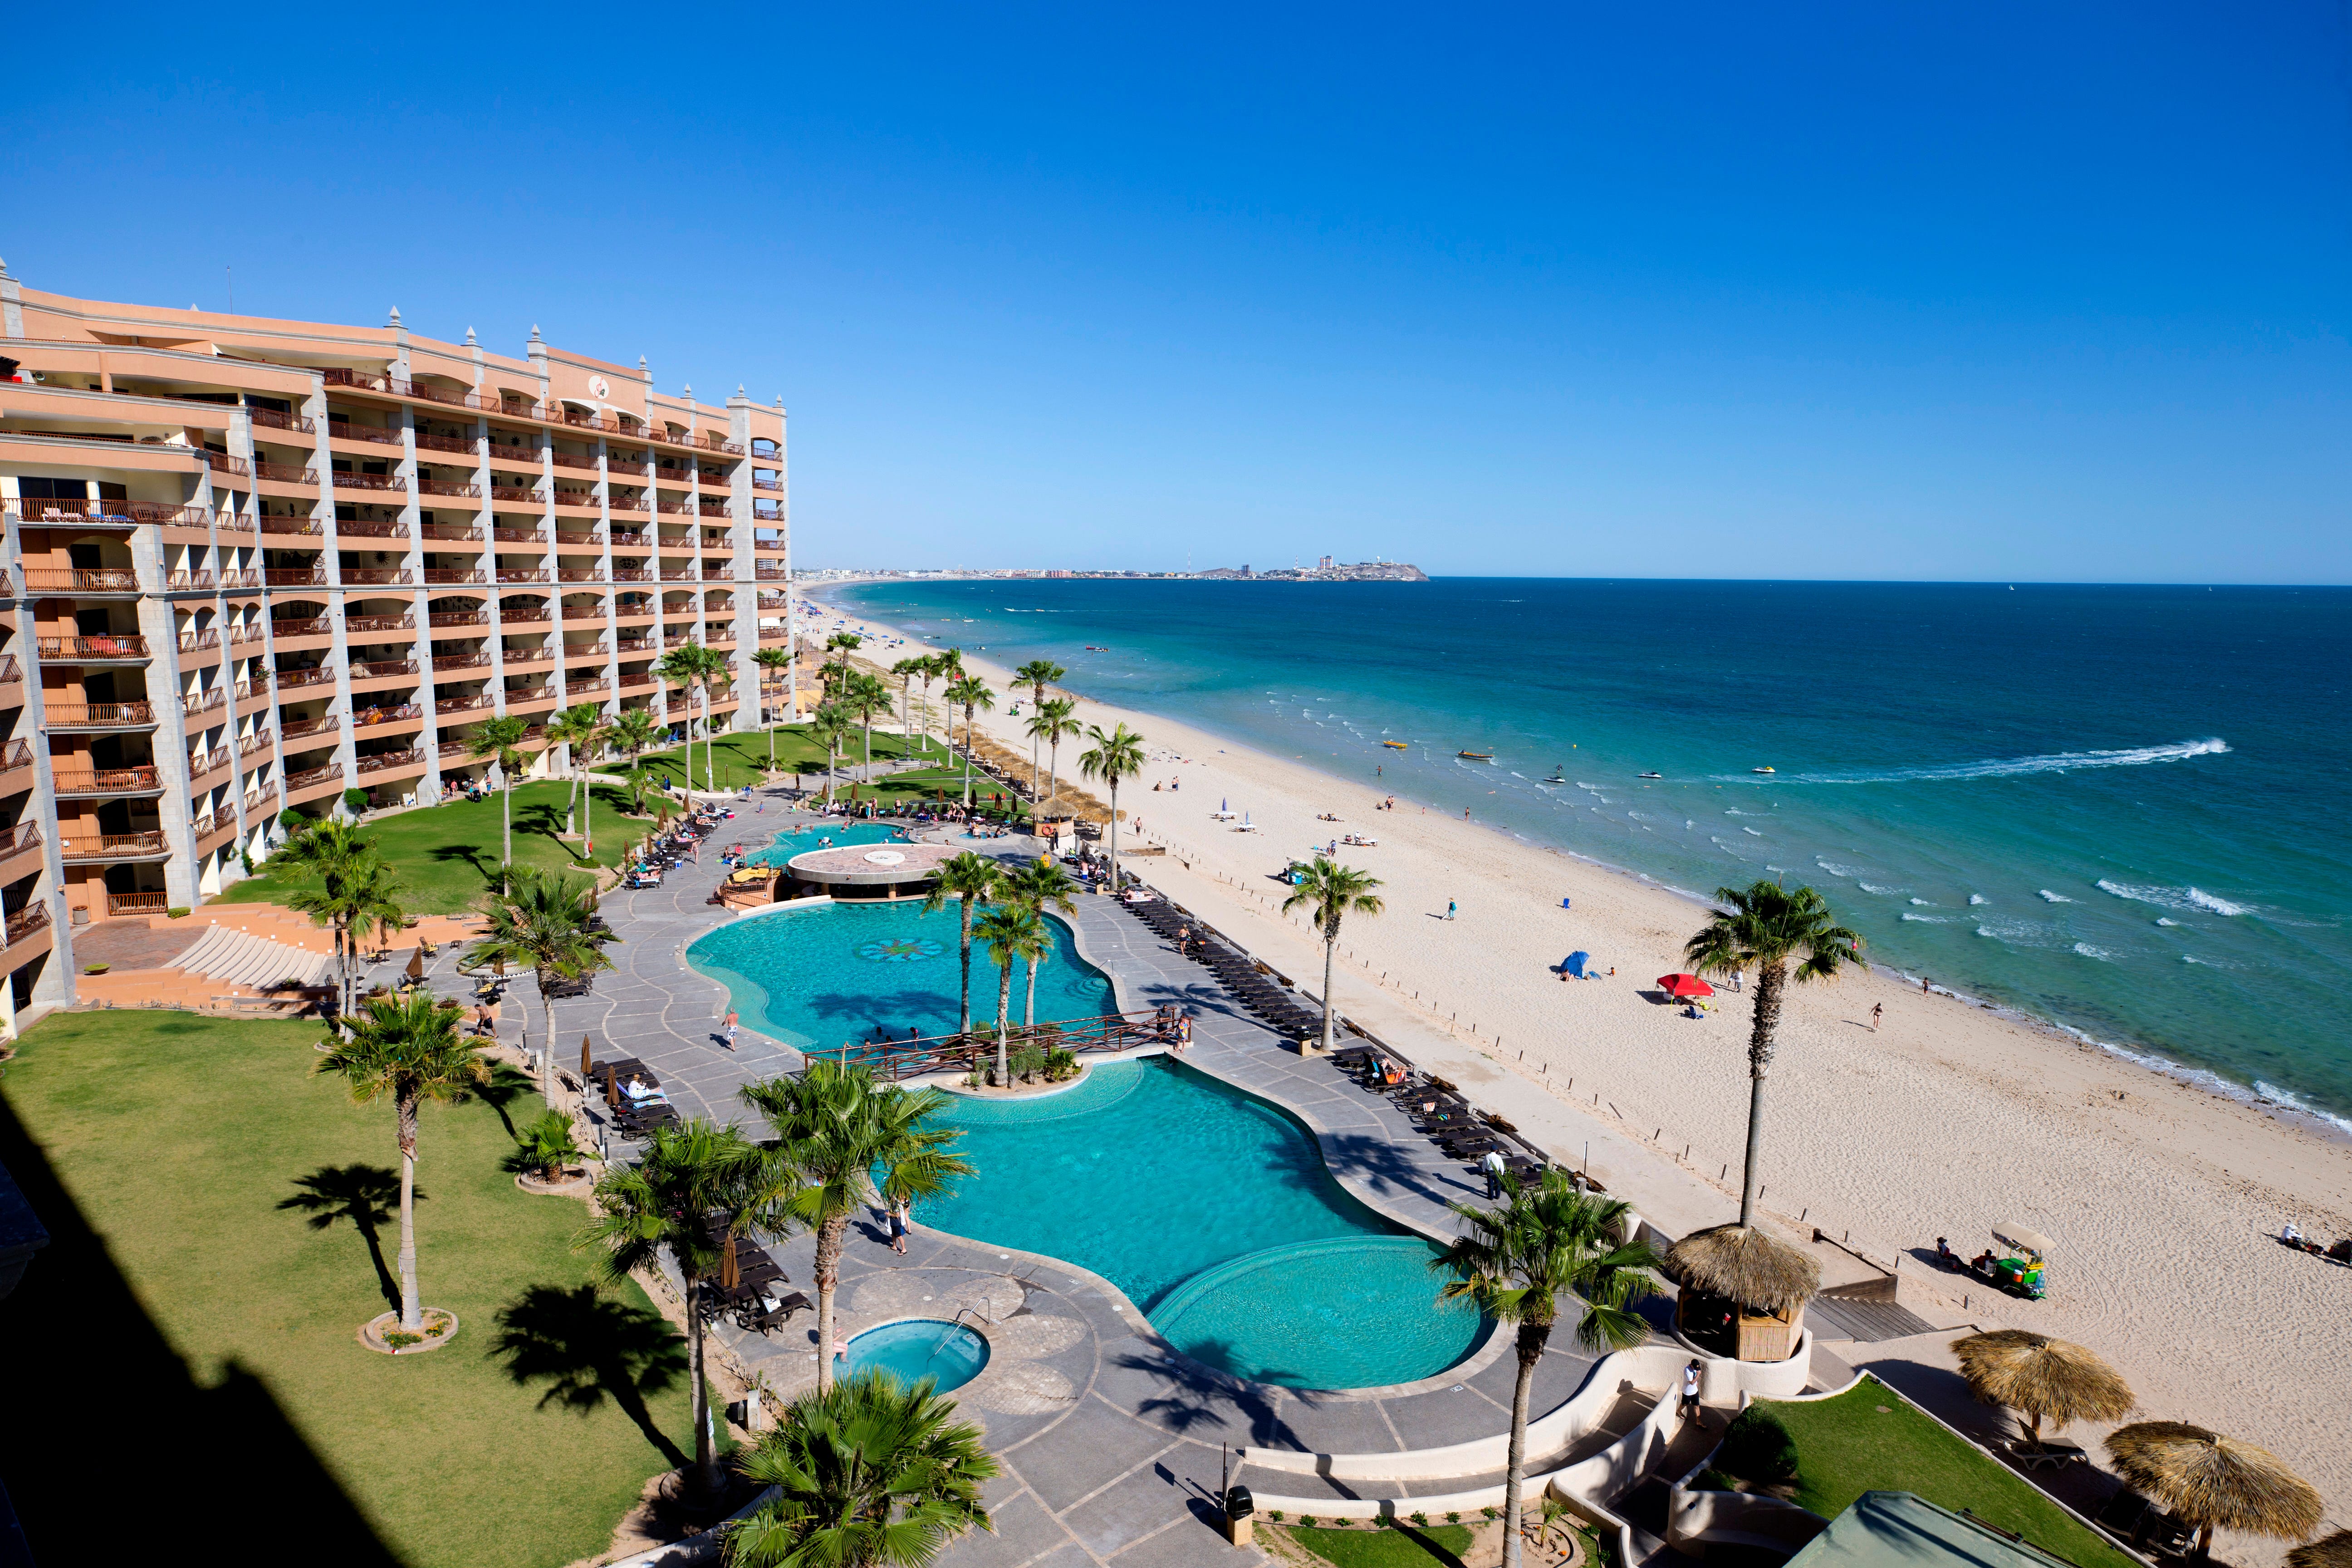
<point x="522" y="575"/>
<point x="79" y="580"/>
<point x="272" y="419"/>
<point x="382" y="669"/>
<point x="202" y="763"/>
<point x="17" y="840"/>
<point x="40" y="513"/>
<point x="579" y="574"/>
<point x="79" y="649"/>
<point x="465" y="704"/>
<point x="16" y="755"/>
<point x="454" y="574"/>
<point x="523" y="615"/>
<point x="579" y="688"/>
<point x="461" y="662"/>
<point x="295" y="576"/>
<point x="379" y="623"/>
<point x="136" y="903"/>
<point x="106" y="781"/>
<point x="760" y="484"/>
<point x="369" y="717"/>
<point x="445" y="443"/>
<point x="627" y="645"/>
<point x="631" y="682"/>
<point x="629" y="503"/>
<point x="583" y="650"/>
<point x="518" y="536"/>
<point x="467" y="531"/>
<point x="286" y="473"/>
<point x="527" y="655"/>
<point x="11" y="672"/>
<point x="222" y="463"/>
<point x="273" y="523"/>
<point x="309" y="776"/>
<point x="562" y="497"/>
<point x="448" y="488"/>
<point x="113" y="845"/>
<point x="26" y="921"/>
<point x="569" y="460"/>
<point x="384" y="762"/>
<point x="309" y="626"/>
<point x="361" y="528"/>
<point x="192" y="703"/>
<point x="188" y="583"/>
<point x="347" y="480"/>
<point x="513" y="492"/>
<point x="257" y="741"/>
<point x="255" y="689"/>
<point x="459" y="618"/>
<point x="533" y="694"/>
<point x="101" y="715"/>
<point x="316" y="675"/>
<point x="300" y="728"/>
<point x="197" y="642"/>
<point x="242" y="577"/>
<point x="342" y="430"/>
<point x="376" y="577"/>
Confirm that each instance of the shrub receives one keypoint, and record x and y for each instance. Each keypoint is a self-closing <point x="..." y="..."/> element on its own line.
<point x="1275" y="1516"/>
<point x="177" y="913"/>
<point x="355" y="801"/>
<point x="1452" y="1518"/>
<point x="1306" y="1521"/>
<point x="1489" y="1514"/>
<point x="1025" y="1062"/>
<point x="95" y="968"/>
<point x="1061" y="1065"/>
<point x="1420" y="1520"/>
<point x="1757" y="1447"/>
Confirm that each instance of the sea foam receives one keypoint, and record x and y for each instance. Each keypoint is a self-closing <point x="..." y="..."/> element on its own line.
<point x="2175" y="898"/>
<point x="2014" y="767"/>
<point x="2050" y="897"/>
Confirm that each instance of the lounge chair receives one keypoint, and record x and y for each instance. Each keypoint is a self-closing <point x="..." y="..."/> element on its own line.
<point x="2049" y="1456"/>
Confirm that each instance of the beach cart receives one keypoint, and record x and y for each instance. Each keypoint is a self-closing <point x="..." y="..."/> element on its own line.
<point x="2019" y="1272"/>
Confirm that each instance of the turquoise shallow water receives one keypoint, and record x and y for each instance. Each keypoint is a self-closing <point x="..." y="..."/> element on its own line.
<point x="950" y="1354"/>
<point x="2119" y="809"/>
<point x="814" y="833"/>
<point x="820" y="978"/>
<point x="1215" y="1214"/>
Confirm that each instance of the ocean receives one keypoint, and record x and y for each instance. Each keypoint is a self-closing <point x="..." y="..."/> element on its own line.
<point x="2120" y="810"/>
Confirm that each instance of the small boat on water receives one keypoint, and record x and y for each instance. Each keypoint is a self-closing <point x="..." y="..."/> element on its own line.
<point x="1559" y="776"/>
<point x="1396" y="745"/>
<point x="1763" y="769"/>
<point x="1475" y="756"/>
<point x="1654" y="775"/>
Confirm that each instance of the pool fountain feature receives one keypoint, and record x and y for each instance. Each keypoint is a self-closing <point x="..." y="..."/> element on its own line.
<point x="950" y="1354"/>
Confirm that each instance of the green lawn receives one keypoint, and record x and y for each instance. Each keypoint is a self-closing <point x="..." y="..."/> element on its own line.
<point x="447" y="855"/>
<point x="743" y="757"/>
<point x="1846" y="1446"/>
<point x="204" y="1291"/>
<point x="1403" y="1547"/>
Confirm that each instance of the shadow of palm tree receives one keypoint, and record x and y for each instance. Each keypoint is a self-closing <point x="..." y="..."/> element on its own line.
<point x="1196" y="1398"/>
<point x="484" y="867"/>
<point x="590" y="1348"/>
<point x="365" y="1196"/>
<point x="507" y="1084"/>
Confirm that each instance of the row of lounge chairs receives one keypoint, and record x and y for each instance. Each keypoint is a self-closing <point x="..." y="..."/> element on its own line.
<point x="1436" y="1108"/>
<point x="1247" y="980"/>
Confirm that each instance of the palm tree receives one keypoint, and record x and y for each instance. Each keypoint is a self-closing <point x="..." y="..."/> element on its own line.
<point x="770" y="659"/>
<point x="665" y="1204"/>
<point x="634" y="729"/>
<point x="356" y="895"/>
<point x="1329" y="890"/>
<point x="969" y="693"/>
<point x="834" y="1127"/>
<point x="969" y="878"/>
<point x="1011" y="932"/>
<point x="907" y="670"/>
<point x="1766" y="926"/>
<point x="864" y="695"/>
<point x="578" y="727"/>
<point x="1037" y="673"/>
<point x="543" y="922"/>
<point x="1034" y="886"/>
<point x="931" y="667"/>
<point x="866" y="1472"/>
<point x="1115" y="756"/>
<point x="693" y="664"/>
<point x="831" y="725"/>
<point x="407" y="1051"/>
<point x="1544" y="1247"/>
<point x="500" y="740"/>
<point x="1055" y="722"/>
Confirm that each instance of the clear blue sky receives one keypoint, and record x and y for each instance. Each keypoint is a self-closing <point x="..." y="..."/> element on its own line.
<point x="2018" y="292"/>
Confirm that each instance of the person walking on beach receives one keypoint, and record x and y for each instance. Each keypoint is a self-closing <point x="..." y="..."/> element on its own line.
<point x="1877" y="1009"/>
<point x="1449" y="908"/>
<point x="1925" y="989"/>
<point x="1492" y="1168"/>
<point x="1689" y="1406"/>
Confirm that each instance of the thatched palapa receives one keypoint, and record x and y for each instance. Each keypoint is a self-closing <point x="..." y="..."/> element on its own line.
<point x="2042" y="1379"/>
<point x="2327" y="1552"/>
<point x="1742" y="1264"/>
<point x="2214" y="1482"/>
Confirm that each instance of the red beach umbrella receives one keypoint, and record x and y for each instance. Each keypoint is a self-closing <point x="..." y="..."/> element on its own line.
<point x="1682" y="987"/>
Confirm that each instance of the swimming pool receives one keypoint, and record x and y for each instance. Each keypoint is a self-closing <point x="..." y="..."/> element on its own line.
<point x="815" y="831"/>
<point x="948" y="1353"/>
<point x="1213" y="1210"/>
<point x="835" y="974"/>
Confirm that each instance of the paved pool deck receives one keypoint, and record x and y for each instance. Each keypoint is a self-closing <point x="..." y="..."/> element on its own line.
<point x="1110" y="1441"/>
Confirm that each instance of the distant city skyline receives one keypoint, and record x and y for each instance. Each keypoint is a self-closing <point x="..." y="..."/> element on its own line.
<point x="1850" y="294"/>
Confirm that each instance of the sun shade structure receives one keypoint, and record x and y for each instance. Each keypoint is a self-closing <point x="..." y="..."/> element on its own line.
<point x="2023" y="1239"/>
<point x="2212" y="1482"/>
<point x="2043" y="1379"/>
<point x="2327" y="1552"/>
<point x="1682" y="987"/>
<point x="1743" y="1292"/>
<point x="1899" y="1529"/>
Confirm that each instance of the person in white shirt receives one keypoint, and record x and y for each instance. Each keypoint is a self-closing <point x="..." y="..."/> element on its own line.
<point x="1689" y="1407"/>
<point x="1493" y="1167"/>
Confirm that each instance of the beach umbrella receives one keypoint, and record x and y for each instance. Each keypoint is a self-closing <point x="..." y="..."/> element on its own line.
<point x="416" y="965"/>
<point x="2042" y="1379"/>
<point x="2327" y="1552"/>
<point x="611" y="1089"/>
<point x="1742" y="1264"/>
<point x="1682" y="987"/>
<point x="586" y="1061"/>
<point x="1576" y="961"/>
<point x="2212" y="1482"/>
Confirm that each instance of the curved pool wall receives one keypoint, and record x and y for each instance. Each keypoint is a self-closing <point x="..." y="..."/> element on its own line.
<point x="829" y="974"/>
<point x="1213" y="1211"/>
<point x="912" y="1349"/>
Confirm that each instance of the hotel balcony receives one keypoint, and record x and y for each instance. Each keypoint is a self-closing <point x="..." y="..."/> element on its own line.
<point x="533" y="700"/>
<point x="282" y="525"/>
<point x="310" y="734"/>
<point x="199" y="710"/>
<point x="20" y="852"/>
<point x="106" y="649"/>
<point x="196" y="648"/>
<point x="364" y="528"/>
<point x="452" y="532"/>
<point x="384" y="674"/>
<point x="97" y="718"/>
<point x="208" y="768"/>
<point x="314" y="783"/>
<point x="103" y="784"/>
<point x="134" y="848"/>
<point x="392" y="767"/>
<point x="302" y="634"/>
<point x="12" y="681"/>
<point x="29" y="936"/>
<point x="583" y="653"/>
<point x="447" y="623"/>
<point x="407" y="718"/>
<point x="515" y="613"/>
<point x="211" y="832"/>
<point x="82" y="582"/>
<point x="589" y="612"/>
<point x="82" y="516"/>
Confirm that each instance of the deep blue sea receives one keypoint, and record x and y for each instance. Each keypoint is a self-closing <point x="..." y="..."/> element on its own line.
<point x="2120" y="809"/>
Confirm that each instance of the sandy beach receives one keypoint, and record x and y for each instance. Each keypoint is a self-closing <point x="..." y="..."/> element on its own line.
<point x="2162" y="1198"/>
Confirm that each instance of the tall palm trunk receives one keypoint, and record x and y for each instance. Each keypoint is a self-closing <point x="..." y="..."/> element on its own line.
<point x="709" y="748"/>
<point x="572" y="796"/>
<point x="587" y="815"/>
<point x="1114" y="834"/>
<point x="1029" y="1007"/>
<point x="966" y="756"/>
<point x="828" y="1278"/>
<point x="706" y="1460"/>
<point x="1531" y="1340"/>
<point x="963" y="1013"/>
<point x="547" y="1013"/>
<point x="1330" y="949"/>
<point x="411" y="1316"/>
<point x="1770" y="979"/>
<point x="506" y="835"/>
<point x="1003" y="1026"/>
<point x="1054" y="769"/>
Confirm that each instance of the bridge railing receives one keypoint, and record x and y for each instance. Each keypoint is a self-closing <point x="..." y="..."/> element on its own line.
<point x="929" y="1054"/>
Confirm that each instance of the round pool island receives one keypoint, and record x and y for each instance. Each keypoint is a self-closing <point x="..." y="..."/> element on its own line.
<point x="867" y="870"/>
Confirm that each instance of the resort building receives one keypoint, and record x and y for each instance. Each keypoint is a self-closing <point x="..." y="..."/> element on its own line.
<point x="252" y="564"/>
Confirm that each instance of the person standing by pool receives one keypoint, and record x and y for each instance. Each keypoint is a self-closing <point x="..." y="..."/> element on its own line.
<point x="899" y="1227"/>
<point x="731" y="1021"/>
<point x="1492" y="1167"/>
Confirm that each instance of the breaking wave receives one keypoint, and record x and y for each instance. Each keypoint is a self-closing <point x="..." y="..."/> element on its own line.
<point x="2175" y="898"/>
<point x="2050" y="897"/>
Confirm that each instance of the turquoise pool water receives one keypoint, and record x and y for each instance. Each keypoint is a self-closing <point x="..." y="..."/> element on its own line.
<point x="815" y="831"/>
<point x="1214" y="1213"/>
<point x="836" y="975"/>
<point x="950" y="1354"/>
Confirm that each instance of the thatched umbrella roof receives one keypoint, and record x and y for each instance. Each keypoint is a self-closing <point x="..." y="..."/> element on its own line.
<point x="2327" y="1552"/>
<point x="1744" y="1265"/>
<point x="2043" y="1379"/>
<point x="2211" y="1481"/>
